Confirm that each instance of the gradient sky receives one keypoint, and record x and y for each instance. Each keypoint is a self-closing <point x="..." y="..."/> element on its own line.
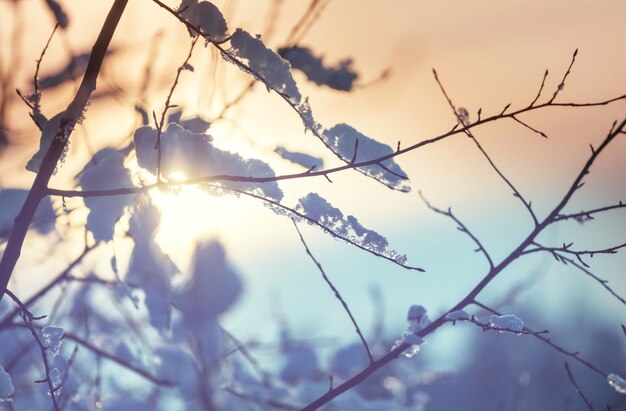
<point x="487" y="54"/>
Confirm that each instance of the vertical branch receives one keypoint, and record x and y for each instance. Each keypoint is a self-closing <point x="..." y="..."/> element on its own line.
<point x="71" y="116"/>
<point x="578" y="390"/>
<point x="167" y="106"/>
<point x="339" y="297"/>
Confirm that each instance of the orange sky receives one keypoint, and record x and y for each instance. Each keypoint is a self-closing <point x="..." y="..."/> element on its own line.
<point x="488" y="53"/>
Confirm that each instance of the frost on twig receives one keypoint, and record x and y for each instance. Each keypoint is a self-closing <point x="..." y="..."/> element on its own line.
<point x="318" y="209"/>
<point x="509" y="322"/>
<point x="353" y="147"/>
<point x="52" y="339"/>
<point x="48" y="133"/>
<point x="417" y="318"/>
<point x="617" y="382"/>
<point x="194" y="155"/>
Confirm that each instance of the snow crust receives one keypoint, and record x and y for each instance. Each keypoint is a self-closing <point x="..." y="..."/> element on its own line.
<point x="318" y="209"/>
<point x="342" y="140"/>
<point x="508" y="322"/>
<point x="194" y="155"/>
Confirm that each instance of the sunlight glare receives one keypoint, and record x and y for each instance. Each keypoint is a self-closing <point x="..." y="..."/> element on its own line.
<point x="189" y="213"/>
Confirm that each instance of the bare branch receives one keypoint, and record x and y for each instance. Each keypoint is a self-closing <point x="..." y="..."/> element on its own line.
<point x="543" y="82"/>
<point x="167" y="106"/>
<point x="562" y="83"/>
<point x="336" y="292"/>
<point x="587" y="215"/>
<point x="578" y="390"/>
<point x="307" y="174"/>
<point x="469" y="133"/>
<point x="462" y="227"/>
<point x="71" y="116"/>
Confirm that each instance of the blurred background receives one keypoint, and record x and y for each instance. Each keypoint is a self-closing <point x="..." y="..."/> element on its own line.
<point x="487" y="54"/>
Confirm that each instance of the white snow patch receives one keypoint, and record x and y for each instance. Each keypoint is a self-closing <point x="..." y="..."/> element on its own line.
<point x="617" y="382"/>
<point x="342" y="140"/>
<point x="6" y="385"/>
<point x="508" y="322"/>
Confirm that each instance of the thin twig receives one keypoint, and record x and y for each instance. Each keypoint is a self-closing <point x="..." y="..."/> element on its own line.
<point x="468" y="132"/>
<point x="543" y="83"/>
<point x="40" y="59"/>
<point x="336" y="292"/>
<point x="70" y="117"/>
<point x="561" y="85"/>
<point x="603" y="283"/>
<point x="111" y="357"/>
<point x="587" y="215"/>
<point x="541" y="133"/>
<point x="326" y="229"/>
<point x="319" y="173"/>
<point x="167" y="106"/>
<point x="6" y="320"/>
<point x="28" y="318"/>
<point x="573" y="354"/>
<point x="470" y="298"/>
<point x="462" y="227"/>
<point x="241" y="347"/>
<point x="578" y="390"/>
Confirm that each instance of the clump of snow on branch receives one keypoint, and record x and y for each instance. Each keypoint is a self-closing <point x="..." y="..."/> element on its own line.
<point x="55" y="380"/>
<point x="341" y="77"/>
<point x="105" y="171"/>
<point x="207" y="17"/>
<point x="6" y="385"/>
<point x="52" y="339"/>
<point x="150" y="269"/>
<point x="348" y="144"/>
<point x="48" y="134"/>
<point x="458" y="315"/>
<point x="195" y="124"/>
<point x="194" y="155"/>
<point x="316" y="208"/>
<point x="508" y="322"/>
<point x="303" y="159"/>
<point x="417" y="317"/>
<point x="265" y="64"/>
<point x="617" y="382"/>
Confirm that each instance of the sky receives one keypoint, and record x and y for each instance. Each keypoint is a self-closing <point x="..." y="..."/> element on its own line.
<point x="487" y="54"/>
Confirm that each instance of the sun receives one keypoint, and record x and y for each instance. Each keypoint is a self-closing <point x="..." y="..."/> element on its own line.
<point x="189" y="213"/>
